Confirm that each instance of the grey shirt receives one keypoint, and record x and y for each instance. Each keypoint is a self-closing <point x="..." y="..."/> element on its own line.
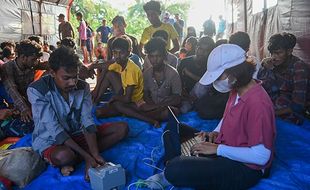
<point x="171" y="85"/>
<point x="56" y="119"/>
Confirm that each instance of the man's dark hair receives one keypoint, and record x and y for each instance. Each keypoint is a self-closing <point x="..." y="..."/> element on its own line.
<point x="193" y="41"/>
<point x="241" y="39"/>
<point x="206" y="40"/>
<point x="122" y="43"/>
<point x="220" y="42"/>
<point x="153" y="6"/>
<point x="156" y="44"/>
<point x="162" y="34"/>
<point x="63" y="57"/>
<point x="35" y="38"/>
<point x="6" y="52"/>
<point x="79" y="14"/>
<point x="52" y="48"/>
<point x="29" y="48"/>
<point x="281" y="41"/>
<point x="7" y="43"/>
<point x="68" y="41"/>
<point x="243" y="73"/>
<point x="118" y="19"/>
<point x="183" y="50"/>
<point x="61" y="15"/>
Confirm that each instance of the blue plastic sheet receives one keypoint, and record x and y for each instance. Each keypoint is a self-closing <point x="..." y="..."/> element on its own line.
<point x="290" y="170"/>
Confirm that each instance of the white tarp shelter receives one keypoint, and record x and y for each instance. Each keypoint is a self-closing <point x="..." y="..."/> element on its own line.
<point x="291" y="16"/>
<point x="22" y="18"/>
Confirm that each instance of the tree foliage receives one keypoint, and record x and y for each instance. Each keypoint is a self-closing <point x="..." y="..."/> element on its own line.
<point x="135" y="16"/>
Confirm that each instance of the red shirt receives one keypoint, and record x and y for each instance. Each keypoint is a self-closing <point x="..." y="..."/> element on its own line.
<point x="250" y="122"/>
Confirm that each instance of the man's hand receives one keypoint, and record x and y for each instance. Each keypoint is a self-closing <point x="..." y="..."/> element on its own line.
<point x="5" y="113"/>
<point x="26" y="116"/>
<point x="98" y="158"/>
<point x="89" y="162"/>
<point x="206" y="148"/>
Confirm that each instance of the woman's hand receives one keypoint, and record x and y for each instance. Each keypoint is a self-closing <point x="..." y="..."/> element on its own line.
<point x="202" y="135"/>
<point x="206" y="148"/>
<point x="212" y="136"/>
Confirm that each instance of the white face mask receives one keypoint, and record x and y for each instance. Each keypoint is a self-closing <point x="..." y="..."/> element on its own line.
<point x="222" y="85"/>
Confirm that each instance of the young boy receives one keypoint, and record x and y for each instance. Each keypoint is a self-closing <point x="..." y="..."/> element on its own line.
<point x="126" y="81"/>
<point x="64" y="128"/>
<point x="162" y="83"/>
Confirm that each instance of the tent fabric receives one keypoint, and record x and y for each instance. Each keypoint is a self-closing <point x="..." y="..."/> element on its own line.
<point x="16" y="22"/>
<point x="287" y="16"/>
<point x="290" y="170"/>
<point x="58" y="2"/>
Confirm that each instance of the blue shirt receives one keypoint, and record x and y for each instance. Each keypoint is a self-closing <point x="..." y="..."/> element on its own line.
<point x="56" y="119"/>
<point x="222" y="26"/>
<point x="105" y="31"/>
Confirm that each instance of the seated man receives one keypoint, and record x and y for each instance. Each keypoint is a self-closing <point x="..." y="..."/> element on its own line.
<point x="19" y="73"/>
<point x="286" y="78"/>
<point x="119" y="29"/>
<point x="126" y="80"/>
<point x="65" y="131"/>
<point x="243" y="40"/>
<point x="191" y="70"/>
<point x="162" y="83"/>
<point x="171" y="58"/>
<point x="10" y="120"/>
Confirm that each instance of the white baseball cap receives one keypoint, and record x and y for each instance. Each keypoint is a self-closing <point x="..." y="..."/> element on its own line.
<point x="221" y="58"/>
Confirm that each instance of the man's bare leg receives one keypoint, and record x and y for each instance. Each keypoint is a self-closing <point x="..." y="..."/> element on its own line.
<point x="111" y="135"/>
<point x="129" y="110"/>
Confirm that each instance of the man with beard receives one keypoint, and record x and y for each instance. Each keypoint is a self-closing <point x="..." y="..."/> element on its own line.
<point x="19" y="73"/>
<point x="65" y="132"/>
<point x="286" y="79"/>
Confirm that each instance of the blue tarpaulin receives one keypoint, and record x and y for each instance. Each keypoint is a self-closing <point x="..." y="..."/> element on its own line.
<point x="290" y="170"/>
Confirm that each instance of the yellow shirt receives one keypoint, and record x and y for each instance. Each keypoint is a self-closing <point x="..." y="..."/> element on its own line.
<point x="130" y="76"/>
<point x="149" y="31"/>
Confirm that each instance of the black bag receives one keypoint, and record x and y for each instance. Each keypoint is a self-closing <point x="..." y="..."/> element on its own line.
<point x="211" y="105"/>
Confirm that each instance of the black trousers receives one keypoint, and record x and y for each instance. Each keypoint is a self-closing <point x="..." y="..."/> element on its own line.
<point x="209" y="172"/>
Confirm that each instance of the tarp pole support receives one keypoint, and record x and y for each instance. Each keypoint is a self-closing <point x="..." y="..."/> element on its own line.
<point x="33" y="31"/>
<point x="68" y="9"/>
<point x="232" y="16"/>
<point x="40" y="16"/>
<point x="245" y="16"/>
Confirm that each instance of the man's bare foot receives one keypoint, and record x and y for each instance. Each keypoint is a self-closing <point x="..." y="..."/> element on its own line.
<point x="66" y="170"/>
<point x="156" y="124"/>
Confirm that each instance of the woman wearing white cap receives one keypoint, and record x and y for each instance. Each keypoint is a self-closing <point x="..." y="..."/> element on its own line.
<point x="242" y="145"/>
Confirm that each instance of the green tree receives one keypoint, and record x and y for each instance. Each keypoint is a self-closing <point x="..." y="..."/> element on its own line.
<point x="95" y="11"/>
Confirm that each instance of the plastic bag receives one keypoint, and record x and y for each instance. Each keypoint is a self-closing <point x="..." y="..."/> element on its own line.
<point x="21" y="165"/>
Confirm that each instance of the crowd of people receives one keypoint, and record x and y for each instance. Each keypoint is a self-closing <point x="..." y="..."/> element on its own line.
<point x="43" y="92"/>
